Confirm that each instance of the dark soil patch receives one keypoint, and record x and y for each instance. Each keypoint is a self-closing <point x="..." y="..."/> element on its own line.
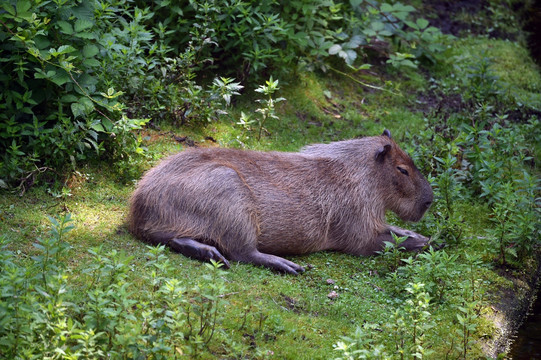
<point x="439" y="107"/>
<point x="439" y="103"/>
<point x="447" y="20"/>
<point x="446" y="12"/>
<point x="527" y="346"/>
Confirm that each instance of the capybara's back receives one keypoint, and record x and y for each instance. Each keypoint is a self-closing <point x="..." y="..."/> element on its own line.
<point x="253" y="206"/>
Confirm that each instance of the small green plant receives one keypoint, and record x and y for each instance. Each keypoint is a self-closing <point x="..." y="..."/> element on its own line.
<point x="481" y="81"/>
<point x="436" y="269"/>
<point x="449" y="191"/>
<point x="498" y="169"/>
<point x="419" y="318"/>
<point x="502" y="218"/>
<point x="407" y="328"/>
<point x="399" y="59"/>
<point x="267" y="109"/>
<point x="392" y="253"/>
<point x="362" y="345"/>
<point x="466" y="317"/>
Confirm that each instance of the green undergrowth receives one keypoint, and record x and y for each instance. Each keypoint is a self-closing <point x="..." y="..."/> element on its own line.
<point x="342" y="304"/>
<point x="472" y="125"/>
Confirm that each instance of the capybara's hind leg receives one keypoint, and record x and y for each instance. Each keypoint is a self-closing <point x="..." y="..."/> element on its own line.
<point x="196" y="250"/>
<point x="188" y="247"/>
<point x="271" y="261"/>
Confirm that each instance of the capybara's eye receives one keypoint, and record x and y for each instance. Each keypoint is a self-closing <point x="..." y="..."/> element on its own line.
<point x="403" y="171"/>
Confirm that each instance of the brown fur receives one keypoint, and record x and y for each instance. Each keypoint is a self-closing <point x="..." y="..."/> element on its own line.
<point x="247" y="204"/>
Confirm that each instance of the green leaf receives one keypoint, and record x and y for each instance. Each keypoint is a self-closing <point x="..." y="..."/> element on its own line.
<point x="22" y="7"/>
<point x="66" y="49"/>
<point x="422" y="23"/>
<point x="87" y="103"/>
<point x="90" y="50"/>
<point x="60" y="78"/>
<point x="351" y="55"/>
<point x="386" y="7"/>
<point x="82" y="25"/>
<point x="41" y="42"/>
<point x="65" y="27"/>
<point x="404" y="8"/>
<point x="41" y="74"/>
<point x="82" y="107"/>
<point x="97" y="126"/>
<point x="9" y="8"/>
<point x="77" y="109"/>
<point x="91" y="63"/>
<point x="86" y="35"/>
<point x="335" y="49"/>
<point x="412" y="25"/>
<point x="68" y="98"/>
<point x="107" y="124"/>
<point x="408" y="63"/>
<point x="355" y="42"/>
<point x="377" y="26"/>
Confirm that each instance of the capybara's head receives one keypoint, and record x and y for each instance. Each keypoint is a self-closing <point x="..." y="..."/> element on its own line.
<point x="406" y="191"/>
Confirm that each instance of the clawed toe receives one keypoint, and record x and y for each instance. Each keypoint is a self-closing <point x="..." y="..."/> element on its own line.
<point x="271" y="261"/>
<point x="215" y="255"/>
<point x="293" y="270"/>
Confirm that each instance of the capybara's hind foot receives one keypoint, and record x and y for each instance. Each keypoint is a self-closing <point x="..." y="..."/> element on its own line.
<point x="271" y="261"/>
<point x="196" y="250"/>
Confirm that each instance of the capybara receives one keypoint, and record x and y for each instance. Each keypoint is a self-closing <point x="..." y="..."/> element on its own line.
<point x="255" y="207"/>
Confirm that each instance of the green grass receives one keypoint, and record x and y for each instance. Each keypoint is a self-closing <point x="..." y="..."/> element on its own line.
<point x="298" y="314"/>
<point x="300" y="321"/>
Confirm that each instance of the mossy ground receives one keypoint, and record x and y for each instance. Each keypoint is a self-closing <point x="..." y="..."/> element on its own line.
<point x="286" y="317"/>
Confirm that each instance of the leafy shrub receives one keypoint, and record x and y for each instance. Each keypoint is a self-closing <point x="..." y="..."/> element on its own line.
<point x="61" y="107"/>
<point x="62" y="65"/>
<point x="406" y="331"/>
<point x="499" y="173"/>
<point x="481" y="154"/>
<point x="249" y="37"/>
<point x="44" y="316"/>
<point x="435" y="269"/>
<point x="56" y="110"/>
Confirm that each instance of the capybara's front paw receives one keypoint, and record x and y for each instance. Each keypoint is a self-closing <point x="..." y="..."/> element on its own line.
<point x="415" y="242"/>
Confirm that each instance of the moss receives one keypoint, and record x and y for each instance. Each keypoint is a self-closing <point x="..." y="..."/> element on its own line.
<point x="517" y="74"/>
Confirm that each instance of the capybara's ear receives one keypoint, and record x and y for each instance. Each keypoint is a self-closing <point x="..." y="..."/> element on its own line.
<point x="386" y="133"/>
<point x="381" y="152"/>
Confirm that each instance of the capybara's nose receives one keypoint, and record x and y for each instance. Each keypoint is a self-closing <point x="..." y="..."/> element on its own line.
<point x="427" y="204"/>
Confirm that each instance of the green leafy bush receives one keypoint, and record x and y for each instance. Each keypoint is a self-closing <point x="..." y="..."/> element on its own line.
<point x="405" y="332"/>
<point x="78" y="77"/>
<point x="43" y="315"/>
<point x="56" y="108"/>
<point x="251" y="38"/>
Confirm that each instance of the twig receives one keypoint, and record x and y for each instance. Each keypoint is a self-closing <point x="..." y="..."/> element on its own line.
<point x="375" y="286"/>
<point x="228" y="294"/>
<point x="363" y="83"/>
<point x="32" y="174"/>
